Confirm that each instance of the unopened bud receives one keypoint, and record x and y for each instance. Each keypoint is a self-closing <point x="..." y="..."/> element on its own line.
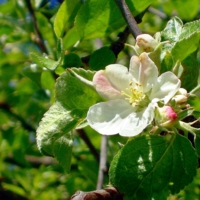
<point x="145" y="43"/>
<point x="181" y="96"/>
<point x="165" y="116"/>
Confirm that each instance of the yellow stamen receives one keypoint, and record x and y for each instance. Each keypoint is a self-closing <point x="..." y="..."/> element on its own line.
<point x="134" y="95"/>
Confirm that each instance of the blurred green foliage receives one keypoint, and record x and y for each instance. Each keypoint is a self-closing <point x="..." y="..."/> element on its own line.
<point x="27" y="92"/>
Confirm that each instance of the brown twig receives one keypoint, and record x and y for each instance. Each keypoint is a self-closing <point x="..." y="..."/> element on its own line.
<point x="85" y="138"/>
<point x="38" y="33"/>
<point x="158" y="13"/>
<point x="132" y="24"/>
<point x="105" y="194"/>
<point x="103" y="160"/>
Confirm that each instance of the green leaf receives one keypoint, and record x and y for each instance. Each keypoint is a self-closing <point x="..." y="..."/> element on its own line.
<point x="46" y="29"/>
<point x="33" y="72"/>
<point x="70" y="39"/>
<point x="189" y="78"/>
<point x="75" y="91"/>
<point x="101" y="58"/>
<point x="45" y="62"/>
<point x="55" y="124"/>
<point x="167" y="62"/>
<point x="172" y="30"/>
<point x="14" y="189"/>
<point x="65" y="16"/>
<point x="189" y="29"/>
<point x="71" y="60"/>
<point x="74" y="95"/>
<point x="185" y="47"/>
<point x="99" y="18"/>
<point x="185" y="9"/>
<point x="150" y="167"/>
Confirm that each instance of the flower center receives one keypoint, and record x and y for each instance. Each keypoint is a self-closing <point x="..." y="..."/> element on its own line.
<point x="136" y="96"/>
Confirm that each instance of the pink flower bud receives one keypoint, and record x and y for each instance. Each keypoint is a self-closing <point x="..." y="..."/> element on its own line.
<point x="165" y="116"/>
<point x="170" y="114"/>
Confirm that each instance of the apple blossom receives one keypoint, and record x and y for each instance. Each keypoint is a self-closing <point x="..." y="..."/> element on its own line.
<point x="131" y="96"/>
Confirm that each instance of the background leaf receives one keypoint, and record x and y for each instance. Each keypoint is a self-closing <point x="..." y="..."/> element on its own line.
<point x="99" y="18"/>
<point x="152" y="166"/>
<point x="45" y="62"/>
<point x="101" y="58"/>
<point x="65" y="16"/>
<point x="181" y="8"/>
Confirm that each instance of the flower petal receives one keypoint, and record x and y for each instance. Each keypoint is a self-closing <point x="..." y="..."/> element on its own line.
<point x="144" y="71"/>
<point x="135" y="123"/>
<point x="166" y="87"/>
<point x="104" y="87"/>
<point x="118" y="76"/>
<point x="108" y="117"/>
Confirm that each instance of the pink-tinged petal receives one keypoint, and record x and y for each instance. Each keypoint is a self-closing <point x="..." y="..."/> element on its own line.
<point x="136" y="122"/>
<point x="144" y="71"/>
<point x="118" y="76"/>
<point x="166" y="87"/>
<point x="104" y="87"/>
<point x="107" y="117"/>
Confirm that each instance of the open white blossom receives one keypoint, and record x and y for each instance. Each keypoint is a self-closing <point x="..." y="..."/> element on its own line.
<point x="131" y="96"/>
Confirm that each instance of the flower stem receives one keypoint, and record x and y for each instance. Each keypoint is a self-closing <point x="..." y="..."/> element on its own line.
<point x="195" y="90"/>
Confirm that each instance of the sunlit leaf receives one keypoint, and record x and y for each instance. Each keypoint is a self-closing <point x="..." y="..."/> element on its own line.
<point x="151" y="167"/>
<point x="99" y="18"/>
<point x="73" y="99"/>
<point x="65" y="16"/>
<point x="45" y="62"/>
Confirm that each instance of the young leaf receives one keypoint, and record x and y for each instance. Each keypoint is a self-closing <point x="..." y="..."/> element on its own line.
<point x="150" y="167"/>
<point x="101" y="57"/>
<point x="184" y="47"/>
<point x="70" y="39"/>
<point x="99" y="18"/>
<point x="45" y="62"/>
<point x="53" y="136"/>
<point x="172" y="30"/>
<point x="74" y="96"/>
<point x="65" y="16"/>
<point x="167" y="62"/>
<point x="189" y="29"/>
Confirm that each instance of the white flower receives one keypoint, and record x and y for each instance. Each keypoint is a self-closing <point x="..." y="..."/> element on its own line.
<point x="131" y="96"/>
